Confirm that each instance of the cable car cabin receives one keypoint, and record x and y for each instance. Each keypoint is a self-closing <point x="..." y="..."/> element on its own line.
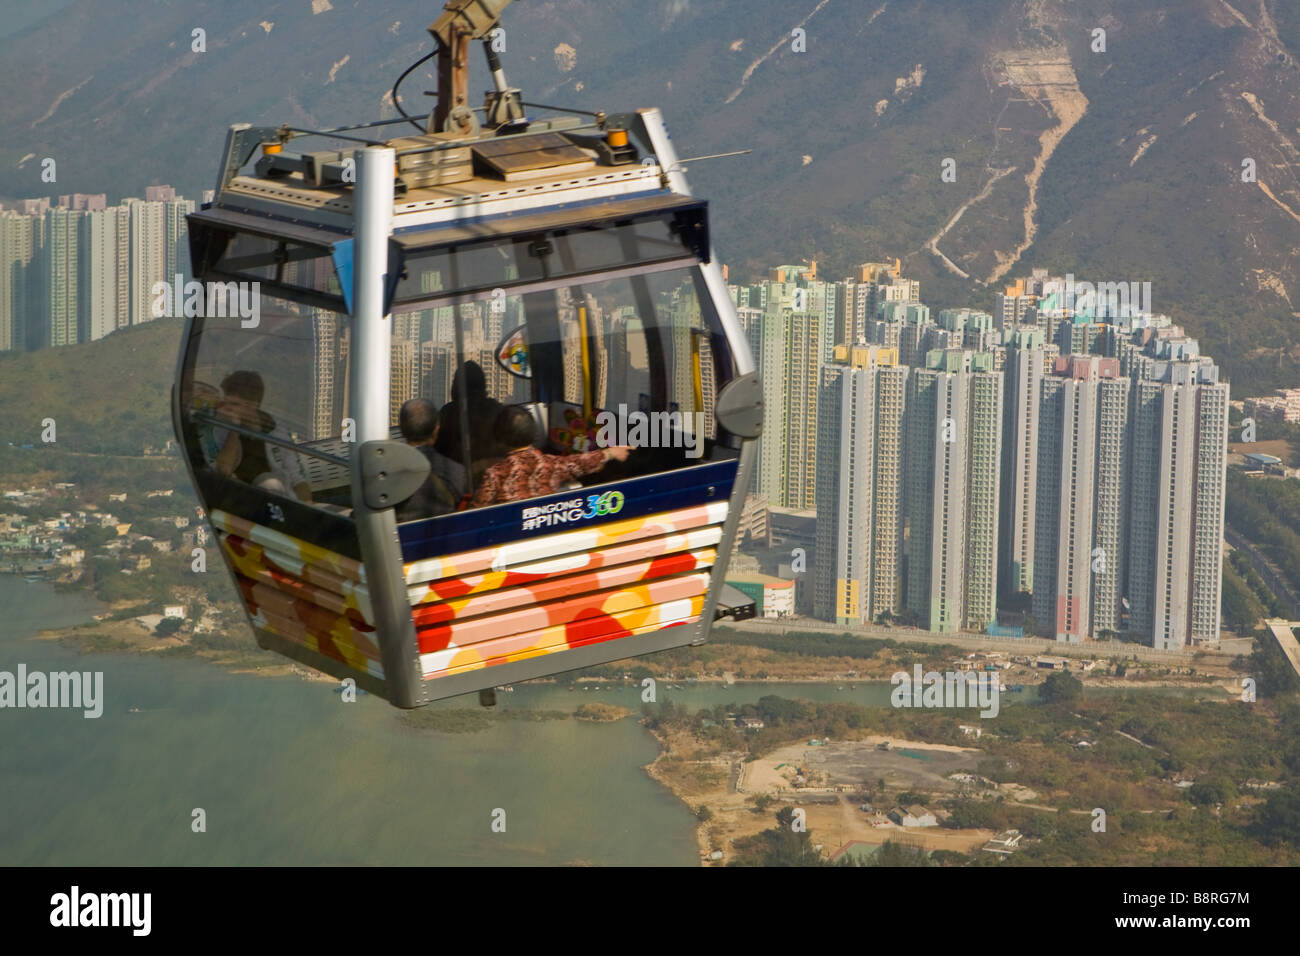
<point x="556" y="272"/>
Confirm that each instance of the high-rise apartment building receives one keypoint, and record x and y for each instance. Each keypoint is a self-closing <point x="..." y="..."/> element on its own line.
<point x="766" y="334"/>
<point x="18" y="250"/>
<point x="84" y="202"/>
<point x="1014" y="306"/>
<point x="404" y="378"/>
<point x="1074" y="563"/>
<point x="860" y="486"/>
<point x="983" y="483"/>
<point x="437" y="366"/>
<point x="329" y="373"/>
<point x="803" y="362"/>
<point x="1023" y="395"/>
<point x="1111" y="520"/>
<point x="906" y="325"/>
<point x="56" y="300"/>
<point x="789" y="342"/>
<point x="954" y="467"/>
<point x="147" y="257"/>
<point x="104" y="263"/>
<point x="1180" y="426"/>
<point x="158" y="247"/>
<point x="177" y="236"/>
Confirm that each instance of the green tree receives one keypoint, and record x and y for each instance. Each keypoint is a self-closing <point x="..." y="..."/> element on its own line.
<point x="1210" y="792"/>
<point x="1278" y="821"/>
<point x="949" y="858"/>
<point x="168" y="626"/>
<point x="1060" y="687"/>
<point x="92" y="537"/>
<point x="779" y="846"/>
<point x="901" y="854"/>
<point x="973" y="815"/>
<point x="1273" y="673"/>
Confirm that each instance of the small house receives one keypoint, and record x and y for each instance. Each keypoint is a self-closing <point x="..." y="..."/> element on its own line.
<point x="913" y="816"/>
<point x="1004" y="844"/>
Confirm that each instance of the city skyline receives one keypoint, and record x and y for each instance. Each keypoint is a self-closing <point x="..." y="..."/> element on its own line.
<point x="795" y="323"/>
<point x="78" y="269"/>
<point x="1035" y="437"/>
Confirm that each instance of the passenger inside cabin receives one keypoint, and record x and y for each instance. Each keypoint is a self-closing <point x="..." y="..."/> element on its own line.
<point x="526" y="472"/>
<point x="249" y="459"/>
<point x="447" y="482"/>
<point x="481" y="410"/>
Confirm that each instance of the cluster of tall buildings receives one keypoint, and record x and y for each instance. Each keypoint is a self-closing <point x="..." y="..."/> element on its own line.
<point x="1057" y="463"/>
<point x="75" y="270"/>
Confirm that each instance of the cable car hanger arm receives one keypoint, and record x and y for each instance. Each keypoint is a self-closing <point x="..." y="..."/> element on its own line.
<point x="462" y="21"/>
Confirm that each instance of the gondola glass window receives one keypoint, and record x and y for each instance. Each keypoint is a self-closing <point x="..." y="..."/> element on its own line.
<point x="263" y="413"/>
<point x="627" y="358"/>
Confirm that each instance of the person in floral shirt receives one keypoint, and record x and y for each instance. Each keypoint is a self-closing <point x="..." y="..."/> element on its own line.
<point x="526" y="472"/>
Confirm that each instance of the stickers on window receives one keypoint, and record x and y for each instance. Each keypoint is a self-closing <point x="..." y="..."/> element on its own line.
<point x="512" y="353"/>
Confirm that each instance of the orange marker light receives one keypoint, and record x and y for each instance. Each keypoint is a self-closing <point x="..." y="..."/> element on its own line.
<point x="616" y="137"/>
<point x="270" y="148"/>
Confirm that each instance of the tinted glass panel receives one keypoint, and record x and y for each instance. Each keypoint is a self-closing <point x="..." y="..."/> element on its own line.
<point x="265" y="405"/>
<point x="626" y="360"/>
<point x="296" y="270"/>
<point x="486" y="264"/>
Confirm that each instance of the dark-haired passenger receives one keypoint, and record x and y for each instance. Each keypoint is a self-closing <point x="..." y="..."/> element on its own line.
<point x="526" y="472"/>
<point x="249" y="459"/>
<point x="481" y="410"/>
<point x="447" y="482"/>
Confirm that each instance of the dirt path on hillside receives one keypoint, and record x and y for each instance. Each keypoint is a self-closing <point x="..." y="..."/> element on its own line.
<point x="1047" y="77"/>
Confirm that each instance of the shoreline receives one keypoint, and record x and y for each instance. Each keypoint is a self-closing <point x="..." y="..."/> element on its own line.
<point x="703" y="844"/>
<point x="128" y="635"/>
<point x="104" y="636"/>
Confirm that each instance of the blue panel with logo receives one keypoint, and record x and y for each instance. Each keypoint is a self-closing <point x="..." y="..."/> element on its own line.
<point x="567" y="511"/>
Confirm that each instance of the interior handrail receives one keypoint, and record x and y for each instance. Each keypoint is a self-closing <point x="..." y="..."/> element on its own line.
<point x="263" y="436"/>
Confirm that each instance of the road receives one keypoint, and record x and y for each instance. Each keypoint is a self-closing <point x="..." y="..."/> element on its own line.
<point x="975" y="642"/>
<point x="1285" y="636"/>
<point x="1265" y="568"/>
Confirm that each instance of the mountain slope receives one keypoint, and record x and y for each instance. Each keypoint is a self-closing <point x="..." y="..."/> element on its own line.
<point x="107" y="397"/>
<point x="1116" y="165"/>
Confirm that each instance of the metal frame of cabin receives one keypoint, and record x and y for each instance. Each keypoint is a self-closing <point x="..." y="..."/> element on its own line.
<point x="368" y="229"/>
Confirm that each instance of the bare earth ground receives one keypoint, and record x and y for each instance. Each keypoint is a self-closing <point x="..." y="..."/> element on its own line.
<point x="833" y="818"/>
<point x="852" y="763"/>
